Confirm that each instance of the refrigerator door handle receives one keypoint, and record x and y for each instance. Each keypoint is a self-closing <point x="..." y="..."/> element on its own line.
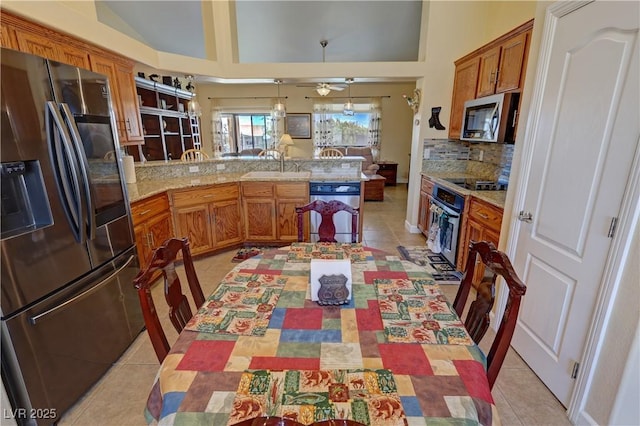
<point x="66" y="180"/>
<point x="35" y="318"/>
<point x="84" y="166"/>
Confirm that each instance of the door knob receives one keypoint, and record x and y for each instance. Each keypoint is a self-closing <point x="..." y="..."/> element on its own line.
<point x="525" y="216"/>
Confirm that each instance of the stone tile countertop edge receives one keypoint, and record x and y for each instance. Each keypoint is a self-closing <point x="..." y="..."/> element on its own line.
<point x="496" y="198"/>
<point x="147" y="188"/>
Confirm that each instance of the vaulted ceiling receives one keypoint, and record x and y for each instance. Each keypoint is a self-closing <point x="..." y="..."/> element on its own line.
<point x="269" y="31"/>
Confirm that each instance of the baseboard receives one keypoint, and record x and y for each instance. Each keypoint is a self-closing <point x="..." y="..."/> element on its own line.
<point x="411" y="228"/>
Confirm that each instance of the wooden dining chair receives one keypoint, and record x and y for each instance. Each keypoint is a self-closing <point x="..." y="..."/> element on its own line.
<point x="496" y="263"/>
<point x="164" y="259"/>
<point x="327" y="229"/>
<point x="194" y="155"/>
<point x="331" y="153"/>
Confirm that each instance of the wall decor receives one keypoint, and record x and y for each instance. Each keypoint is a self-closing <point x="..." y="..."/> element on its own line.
<point x="298" y="126"/>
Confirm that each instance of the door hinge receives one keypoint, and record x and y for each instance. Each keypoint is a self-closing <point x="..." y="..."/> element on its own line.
<point x="574" y="370"/>
<point x="612" y="227"/>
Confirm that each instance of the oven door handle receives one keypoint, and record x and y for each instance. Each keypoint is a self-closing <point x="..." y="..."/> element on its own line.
<point x="453" y="214"/>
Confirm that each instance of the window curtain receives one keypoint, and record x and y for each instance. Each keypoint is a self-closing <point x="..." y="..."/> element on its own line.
<point x="323" y="110"/>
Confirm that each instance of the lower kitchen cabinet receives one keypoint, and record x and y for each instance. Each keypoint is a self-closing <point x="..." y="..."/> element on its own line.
<point x="209" y="217"/>
<point x="152" y="225"/>
<point x="426" y="189"/>
<point x="483" y="224"/>
<point x="269" y="210"/>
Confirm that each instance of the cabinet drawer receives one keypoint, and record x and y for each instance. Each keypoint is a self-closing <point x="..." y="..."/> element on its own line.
<point x="292" y="190"/>
<point x="257" y="189"/>
<point x="426" y="185"/>
<point x="143" y="209"/>
<point x="195" y="196"/>
<point x="486" y="214"/>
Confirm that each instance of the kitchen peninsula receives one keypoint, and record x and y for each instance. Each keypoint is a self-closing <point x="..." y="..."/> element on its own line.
<point x="223" y="203"/>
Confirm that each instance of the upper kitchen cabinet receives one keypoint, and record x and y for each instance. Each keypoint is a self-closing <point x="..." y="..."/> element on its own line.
<point x="464" y="88"/>
<point x="26" y="36"/>
<point x="124" y="97"/>
<point x="502" y="68"/>
<point x="496" y="67"/>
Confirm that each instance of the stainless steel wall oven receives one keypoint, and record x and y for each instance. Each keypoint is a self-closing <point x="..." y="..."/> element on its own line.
<point x="445" y="212"/>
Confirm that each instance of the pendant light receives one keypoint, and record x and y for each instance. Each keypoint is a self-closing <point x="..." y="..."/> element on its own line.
<point x="279" y="110"/>
<point x="348" y="106"/>
<point x="193" y="106"/>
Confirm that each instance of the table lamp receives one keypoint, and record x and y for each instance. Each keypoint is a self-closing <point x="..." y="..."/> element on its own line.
<point x="285" y="142"/>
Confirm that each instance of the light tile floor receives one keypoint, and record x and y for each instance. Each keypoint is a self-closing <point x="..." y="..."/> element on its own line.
<point x="119" y="398"/>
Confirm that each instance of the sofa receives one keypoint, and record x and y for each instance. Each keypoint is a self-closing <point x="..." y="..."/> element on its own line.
<point x="369" y="167"/>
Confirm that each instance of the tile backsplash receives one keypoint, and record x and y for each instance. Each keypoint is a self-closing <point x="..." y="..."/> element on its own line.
<point x="485" y="158"/>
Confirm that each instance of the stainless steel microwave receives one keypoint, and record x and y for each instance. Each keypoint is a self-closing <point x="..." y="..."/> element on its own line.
<point x="491" y="118"/>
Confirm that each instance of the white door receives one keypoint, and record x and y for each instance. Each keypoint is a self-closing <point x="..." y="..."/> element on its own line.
<point x="578" y="156"/>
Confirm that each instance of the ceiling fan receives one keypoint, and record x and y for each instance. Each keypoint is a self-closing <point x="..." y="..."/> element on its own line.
<point x="324" y="89"/>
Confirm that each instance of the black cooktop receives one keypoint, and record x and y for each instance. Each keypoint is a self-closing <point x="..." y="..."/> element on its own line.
<point x="478" y="185"/>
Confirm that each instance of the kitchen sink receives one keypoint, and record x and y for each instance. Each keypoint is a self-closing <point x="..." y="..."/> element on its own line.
<point x="269" y="175"/>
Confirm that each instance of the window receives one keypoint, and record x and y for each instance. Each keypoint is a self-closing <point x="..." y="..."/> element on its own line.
<point x="234" y="133"/>
<point x="333" y="128"/>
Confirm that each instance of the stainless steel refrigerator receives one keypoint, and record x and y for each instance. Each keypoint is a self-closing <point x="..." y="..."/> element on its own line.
<point x="68" y="306"/>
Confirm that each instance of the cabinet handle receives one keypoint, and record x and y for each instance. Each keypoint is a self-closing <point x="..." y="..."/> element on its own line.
<point x="207" y="196"/>
<point x="153" y="243"/>
<point x="496" y="76"/>
<point x="491" y="77"/>
<point x="482" y="215"/>
<point x="128" y="126"/>
<point x="142" y="213"/>
<point x="148" y="241"/>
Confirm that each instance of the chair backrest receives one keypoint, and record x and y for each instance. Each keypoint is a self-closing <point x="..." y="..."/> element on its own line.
<point x="496" y="263"/>
<point x="331" y="153"/>
<point x="327" y="229"/>
<point x="194" y="155"/>
<point x="164" y="258"/>
<point x="270" y="153"/>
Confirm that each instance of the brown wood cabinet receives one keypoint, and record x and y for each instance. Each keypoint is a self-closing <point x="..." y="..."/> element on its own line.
<point x="269" y="210"/>
<point x="464" y="89"/>
<point x="25" y="36"/>
<point x="123" y="96"/>
<point x="497" y="67"/>
<point x="210" y="216"/>
<point x="426" y="189"/>
<point x="152" y="224"/>
<point x="483" y="224"/>
<point x="389" y="170"/>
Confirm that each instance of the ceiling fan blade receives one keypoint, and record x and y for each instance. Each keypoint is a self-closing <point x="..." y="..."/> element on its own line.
<point x="336" y="88"/>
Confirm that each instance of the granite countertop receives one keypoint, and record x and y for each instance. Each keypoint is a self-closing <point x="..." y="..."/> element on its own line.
<point x="496" y="198"/>
<point x="147" y="188"/>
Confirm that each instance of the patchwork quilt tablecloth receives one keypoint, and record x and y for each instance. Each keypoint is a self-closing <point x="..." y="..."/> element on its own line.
<point x="440" y="383"/>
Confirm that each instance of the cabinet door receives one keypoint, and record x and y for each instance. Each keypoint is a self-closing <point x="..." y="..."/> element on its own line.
<point x="260" y="219"/>
<point x="160" y="229"/>
<point x="76" y="57"/>
<point x="194" y="222"/>
<point x="37" y="45"/>
<point x="464" y="89"/>
<point x="288" y="219"/>
<point x="227" y="223"/>
<point x="489" y="62"/>
<point x="423" y="212"/>
<point x="142" y="244"/>
<point x="512" y="63"/>
<point x="129" y="105"/>
<point x="5" y="34"/>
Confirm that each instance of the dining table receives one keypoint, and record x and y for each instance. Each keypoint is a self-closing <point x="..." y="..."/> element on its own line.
<point x="393" y="353"/>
